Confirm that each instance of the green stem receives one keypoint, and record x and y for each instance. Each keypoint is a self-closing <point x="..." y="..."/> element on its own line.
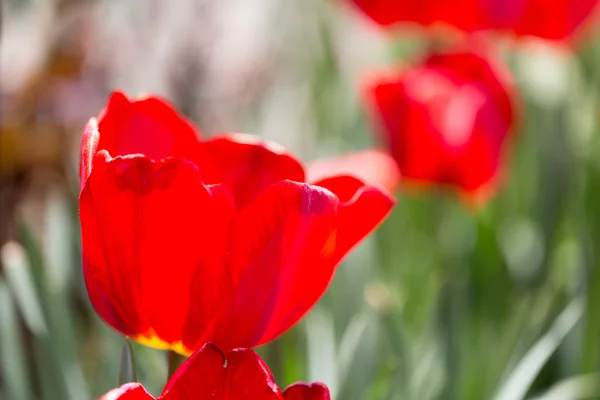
<point x="127" y="371"/>
<point x="174" y="360"/>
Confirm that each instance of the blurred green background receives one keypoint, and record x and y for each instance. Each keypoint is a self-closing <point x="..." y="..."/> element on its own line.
<point x="442" y="302"/>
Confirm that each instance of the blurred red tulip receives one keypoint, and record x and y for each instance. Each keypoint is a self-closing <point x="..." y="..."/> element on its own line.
<point x="188" y="241"/>
<point x="447" y="120"/>
<point x="546" y="19"/>
<point x="208" y="374"/>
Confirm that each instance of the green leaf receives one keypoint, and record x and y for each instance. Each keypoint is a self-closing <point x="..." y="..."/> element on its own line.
<point x="322" y="364"/>
<point x="12" y="356"/>
<point x="20" y="281"/>
<point x="586" y="386"/>
<point x="524" y="373"/>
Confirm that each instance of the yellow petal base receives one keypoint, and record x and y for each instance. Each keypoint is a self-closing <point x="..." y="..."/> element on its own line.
<point x="152" y="340"/>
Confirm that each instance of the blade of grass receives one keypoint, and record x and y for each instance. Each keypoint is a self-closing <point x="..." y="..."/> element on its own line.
<point x="19" y="280"/>
<point x="515" y="387"/>
<point x="61" y="347"/>
<point x="12" y="355"/>
<point x="349" y="345"/>
<point x="321" y="349"/>
<point x="586" y="386"/>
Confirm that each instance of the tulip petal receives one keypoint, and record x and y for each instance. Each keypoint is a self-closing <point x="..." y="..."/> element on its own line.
<point x="211" y="285"/>
<point x="89" y="147"/>
<point x="206" y="375"/>
<point x="129" y="391"/>
<point x="405" y="123"/>
<point x="481" y="69"/>
<point x="148" y="126"/>
<point x="281" y="246"/>
<point x="246" y="165"/>
<point x="361" y="209"/>
<point x="374" y="167"/>
<point x="140" y="219"/>
<point x="388" y="12"/>
<point x="304" y="391"/>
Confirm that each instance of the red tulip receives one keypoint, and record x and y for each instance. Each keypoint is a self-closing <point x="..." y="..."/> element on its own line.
<point x="188" y="241"/>
<point x="207" y="374"/>
<point x="552" y="19"/>
<point x="447" y="120"/>
<point x="547" y="19"/>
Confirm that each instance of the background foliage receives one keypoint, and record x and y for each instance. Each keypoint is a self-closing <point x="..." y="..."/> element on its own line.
<point x="442" y="302"/>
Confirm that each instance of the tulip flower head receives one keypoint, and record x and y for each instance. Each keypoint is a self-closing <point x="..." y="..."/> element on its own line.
<point x="188" y="241"/>
<point x="209" y="375"/>
<point x="446" y="121"/>
<point x="556" y="20"/>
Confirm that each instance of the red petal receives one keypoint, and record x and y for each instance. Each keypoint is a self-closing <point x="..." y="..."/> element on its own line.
<point x="129" y="391"/>
<point x="372" y="166"/>
<point x="89" y="147"/>
<point x="148" y="126"/>
<point x="362" y="209"/>
<point x="207" y="376"/>
<point x="246" y="165"/>
<point x="211" y="285"/>
<point x="388" y="12"/>
<point x="282" y="246"/>
<point x="303" y="391"/>
<point x="482" y="69"/>
<point x="405" y="125"/>
<point x="146" y="227"/>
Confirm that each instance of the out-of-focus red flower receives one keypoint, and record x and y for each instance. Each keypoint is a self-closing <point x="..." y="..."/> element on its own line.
<point x="546" y="19"/>
<point x="188" y="241"/>
<point x="209" y="375"/>
<point x="447" y="120"/>
<point x="551" y="19"/>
